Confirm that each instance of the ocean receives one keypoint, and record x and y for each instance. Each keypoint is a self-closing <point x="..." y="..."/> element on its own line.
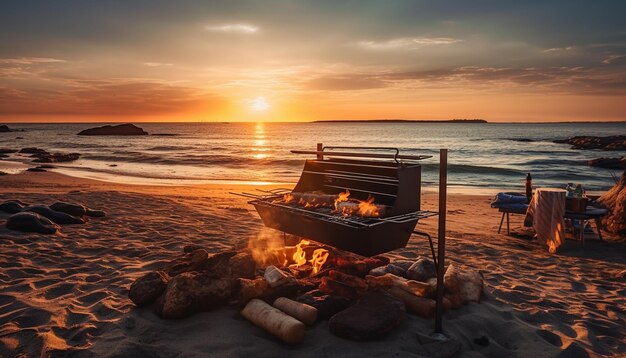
<point x="484" y="155"/>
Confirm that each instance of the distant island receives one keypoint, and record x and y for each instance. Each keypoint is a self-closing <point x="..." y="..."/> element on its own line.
<point x="402" y="121"/>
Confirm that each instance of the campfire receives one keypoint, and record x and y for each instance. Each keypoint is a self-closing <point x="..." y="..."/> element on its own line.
<point x="340" y="203"/>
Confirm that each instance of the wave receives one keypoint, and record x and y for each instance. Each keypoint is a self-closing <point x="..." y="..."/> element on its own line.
<point x="472" y="169"/>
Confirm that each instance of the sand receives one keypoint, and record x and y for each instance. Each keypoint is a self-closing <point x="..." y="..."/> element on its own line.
<point x="66" y="294"/>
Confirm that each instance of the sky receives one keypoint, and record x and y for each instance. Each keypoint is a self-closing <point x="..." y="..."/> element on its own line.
<point x="158" y="60"/>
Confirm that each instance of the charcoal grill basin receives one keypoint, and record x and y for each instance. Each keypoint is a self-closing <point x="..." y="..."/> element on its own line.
<point x="363" y="240"/>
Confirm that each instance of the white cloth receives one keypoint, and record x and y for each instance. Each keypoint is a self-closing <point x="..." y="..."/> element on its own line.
<point x="547" y="208"/>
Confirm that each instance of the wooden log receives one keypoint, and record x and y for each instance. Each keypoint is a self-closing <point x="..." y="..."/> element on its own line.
<point x="388" y="281"/>
<point x="300" y="311"/>
<point x="423" y="307"/>
<point x="332" y="286"/>
<point x="357" y="283"/>
<point x="274" y="321"/>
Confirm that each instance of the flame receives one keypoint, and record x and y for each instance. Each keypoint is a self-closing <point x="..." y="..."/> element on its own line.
<point x="341" y="197"/>
<point x="299" y="257"/>
<point x="368" y="209"/>
<point x="318" y="260"/>
<point x="288" y="198"/>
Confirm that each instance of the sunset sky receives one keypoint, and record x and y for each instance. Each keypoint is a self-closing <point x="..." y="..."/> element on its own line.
<point x="298" y="61"/>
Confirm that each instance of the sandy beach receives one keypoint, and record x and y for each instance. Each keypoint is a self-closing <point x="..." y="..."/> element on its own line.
<point x="66" y="294"/>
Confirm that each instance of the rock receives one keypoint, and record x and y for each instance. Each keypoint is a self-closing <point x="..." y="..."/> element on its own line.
<point x="120" y="129"/>
<point x="608" y="163"/>
<point x="421" y="270"/>
<point x="214" y="265"/>
<point x="31" y="222"/>
<point x="192" y="292"/>
<point x="36" y="170"/>
<point x="76" y="209"/>
<point x="3" y="173"/>
<point x="33" y="150"/>
<point x="46" y="166"/>
<point x="372" y="317"/>
<point x="56" y="216"/>
<point x="242" y="265"/>
<point x="327" y="305"/>
<point x="462" y="285"/>
<point x="56" y="158"/>
<point x="276" y="277"/>
<point x="616" y="142"/>
<point x="4" y="128"/>
<point x="390" y="268"/>
<point x="11" y="207"/>
<point x="7" y="151"/>
<point x="388" y="281"/>
<point x="403" y="264"/>
<point x="615" y="201"/>
<point x="148" y="287"/>
<point x="420" y="306"/>
<point x="249" y="289"/>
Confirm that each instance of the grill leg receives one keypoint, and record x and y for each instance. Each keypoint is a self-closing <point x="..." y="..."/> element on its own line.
<point x="501" y="221"/>
<point x="441" y="237"/>
<point x="430" y="241"/>
<point x="508" y="225"/>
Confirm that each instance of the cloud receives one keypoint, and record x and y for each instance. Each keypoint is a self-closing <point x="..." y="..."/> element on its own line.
<point x="28" y="60"/>
<point x="407" y="43"/>
<point x="234" y="28"/>
<point x="559" y="49"/>
<point x="107" y="97"/>
<point x="157" y="64"/>
<point x="614" y="59"/>
<point x="344" y="82"/>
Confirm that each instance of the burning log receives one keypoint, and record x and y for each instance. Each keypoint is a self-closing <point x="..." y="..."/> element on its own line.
<point x="246" y="290"/>
<point x="388" y="281"/>
<point x="276" y="277"/>
<point x="300" y="311"/>
<point x="423" y="307"/>
<point x="352" y="266"/>
<point x="310" y="199"/>
<point x="366" y="209"/>
<point x="274" y="321"/>
<point x="332" y="286"/>
<point x="357" y="283"/>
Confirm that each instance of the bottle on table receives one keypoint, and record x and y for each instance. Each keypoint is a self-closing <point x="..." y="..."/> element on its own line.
<point x="529" y="187"/>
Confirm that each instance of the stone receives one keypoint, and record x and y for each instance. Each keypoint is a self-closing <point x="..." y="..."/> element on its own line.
<point x="616" y="142"/>
<point x="120" y="129"/>
<point x="242" y="265"/>
<point x="421" y="270"/>
<point x="403" y="264"/>
<point x="608" y="163"/>
<point x="276" y="277"/>
<point x="373" y="317"/>
<point x="76" y="209"/>
<point x="462" y="285"/>
<point x="192" y="292"/>
<point x="420" y="306"/>
<point x="148" y="287"/>
<point x="214" y="265"/>
<point x="36" y="170"/>
<point x="56" y="158"/>
<point x="31" y="222"/>
<point x="7" y="151"/>
<point x="56" y="216"/>
<point x="327" y="305"/>
<point x="4" y="128"/>
<point x="615" y="201"/>
<point x="11" y="207"/>
<point x="33" y="150"/>
<point x="390" y="268"/>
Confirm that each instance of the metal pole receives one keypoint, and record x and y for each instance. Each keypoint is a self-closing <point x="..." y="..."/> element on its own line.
<point x="441" y="240"/>
<point x="320" y="147"/>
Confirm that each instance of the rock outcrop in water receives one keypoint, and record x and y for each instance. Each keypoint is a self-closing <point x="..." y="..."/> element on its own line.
<point x="615" y="201"/>
<point x="5" y="129"/>
<point x="614" y="142"/>
<point x="608" y="163"/>
<point x="120" y="129"/>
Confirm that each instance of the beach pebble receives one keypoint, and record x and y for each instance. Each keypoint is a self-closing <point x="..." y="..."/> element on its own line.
<point x="148" y="287"/>
<point x="11" y="207"/>
<point x="56" y="216"/>
<point x="421" y="270"/>
<point x="31" y="222"/>
<point x="462" y="284"/>
<point x="192" y="292"/>
<point x="372" y="317"/>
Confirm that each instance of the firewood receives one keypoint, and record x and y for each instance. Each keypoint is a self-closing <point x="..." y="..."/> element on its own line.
<point x="276" y="277"/>
<point x="388" y="281"/>
<point x="423" y="307"/>
<point x="357" y="283"/>
<point x="274" y="321"/>
<point x="300" y="311"/>
<point x="332" y="286"/>
<point x="351" y="266"/>
<point x="376" y="261"/>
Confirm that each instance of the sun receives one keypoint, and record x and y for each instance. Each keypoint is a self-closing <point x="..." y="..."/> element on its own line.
<point x="259" y="104"/>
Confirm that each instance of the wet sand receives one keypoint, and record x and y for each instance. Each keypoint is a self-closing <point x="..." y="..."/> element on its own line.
<point x="66" y="294"/>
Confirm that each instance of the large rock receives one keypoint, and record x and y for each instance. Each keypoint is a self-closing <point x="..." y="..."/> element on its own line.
<point x="192" y="292"/>
<point x="11" y="207"/>
<point x="7" y="151"/>
<point x="242" y="265"/>
<point x="148" y="287"/>
<point x="34" y="151"/>
<point x="76" y="209"/>
<point x="214" y="265"/>
<point x="120" y="129"/>
<point x="615" y="202"/>
<point x="421" y="270"/>
<point x="372" y="317"/>
<point x="390" y="268"/>
<point x="56" y="216"/>
<point x="615" y="142"/>
<point x="462" y="285"/>
<point x="31" y="222"/>
<point x="327" y="305"/>
<point x="4" y="128"/>
<point x="56" y="158"/>
<point x="608" y="163"/>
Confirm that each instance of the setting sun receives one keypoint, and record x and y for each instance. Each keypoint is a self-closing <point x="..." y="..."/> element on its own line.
<point x="259" y="104"/>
